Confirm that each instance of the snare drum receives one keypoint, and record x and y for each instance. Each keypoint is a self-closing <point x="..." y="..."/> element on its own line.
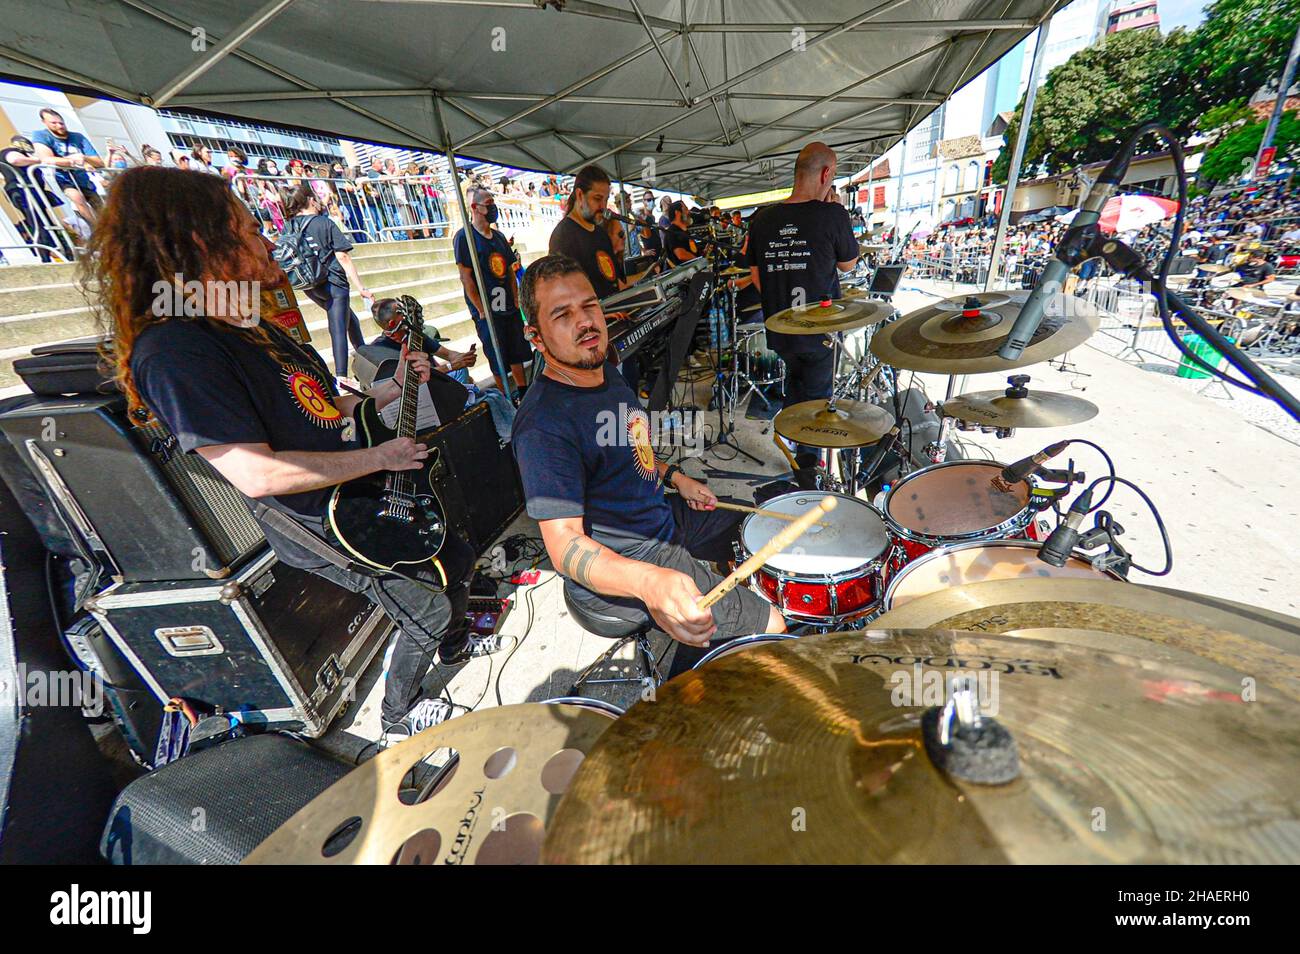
<point x="956" y="502"/>
<point x="740" y="643"/>
<point x="830" y="574"/>
<point x="980" y="561"/>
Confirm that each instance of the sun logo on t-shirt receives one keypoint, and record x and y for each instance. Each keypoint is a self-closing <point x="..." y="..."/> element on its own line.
<point x="312" y="398"/>
<point x="638" y="438"/>
<point x="497" y="263"/>
<point x="606" y="264"/>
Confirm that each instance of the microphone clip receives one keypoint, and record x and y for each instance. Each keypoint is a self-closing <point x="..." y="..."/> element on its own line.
<point x="1105" y="531"/>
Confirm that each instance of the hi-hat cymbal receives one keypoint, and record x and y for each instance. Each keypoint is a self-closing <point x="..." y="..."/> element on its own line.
<point x="1213" y="269"/>
<point x="1164" y="624"/>
<point x="754" y="307"/>
<point x="822" y="318"/>
<point x="1035" y="409"/>
<point x="812" y="750"/>
<point x="491" y="807"/>
<point x="847" y="424"/>
<point x="938" y="338"/>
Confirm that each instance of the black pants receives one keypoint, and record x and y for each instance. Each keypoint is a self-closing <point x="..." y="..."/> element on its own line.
<point x="426" y="614"/>
<point x="343" y="322"/>
<point x="701" y="535"/>
<point x="809" y="375"/>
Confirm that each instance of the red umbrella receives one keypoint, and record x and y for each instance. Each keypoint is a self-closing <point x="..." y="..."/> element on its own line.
<point x="1123" y="213"/>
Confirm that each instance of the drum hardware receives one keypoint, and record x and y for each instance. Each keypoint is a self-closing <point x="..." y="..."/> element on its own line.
<point x="726" y="385"/>
<point x="1166" y="744"/>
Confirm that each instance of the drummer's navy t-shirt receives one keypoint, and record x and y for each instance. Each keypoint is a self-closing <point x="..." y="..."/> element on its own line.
<point x="586" y="452"/>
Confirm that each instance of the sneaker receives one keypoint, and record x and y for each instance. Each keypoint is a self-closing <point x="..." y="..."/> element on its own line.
<point x="457" y="653"/>
<point x="423" y="715"/>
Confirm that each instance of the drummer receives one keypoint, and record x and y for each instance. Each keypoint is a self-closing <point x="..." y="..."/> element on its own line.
<point x="1258" y="271"/>
<point x="597" y="491"/>
<point x="796" y="248"/>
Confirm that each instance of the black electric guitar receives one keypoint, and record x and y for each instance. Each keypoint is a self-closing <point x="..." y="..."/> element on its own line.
<point x="390" y="518"/>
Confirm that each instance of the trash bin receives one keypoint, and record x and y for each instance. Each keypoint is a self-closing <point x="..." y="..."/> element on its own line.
<point x="1204" y="350"/>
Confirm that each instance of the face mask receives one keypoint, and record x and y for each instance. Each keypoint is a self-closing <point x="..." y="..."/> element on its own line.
<point x="492" y="213"/>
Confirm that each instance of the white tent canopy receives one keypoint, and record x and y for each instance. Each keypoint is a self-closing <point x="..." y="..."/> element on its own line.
<point x="733" y="87"/>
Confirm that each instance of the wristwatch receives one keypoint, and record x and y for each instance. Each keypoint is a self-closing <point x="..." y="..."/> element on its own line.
<point x="668" y="474"/>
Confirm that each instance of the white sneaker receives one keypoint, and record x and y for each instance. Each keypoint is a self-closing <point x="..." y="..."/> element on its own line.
<point x="423" y="715"/>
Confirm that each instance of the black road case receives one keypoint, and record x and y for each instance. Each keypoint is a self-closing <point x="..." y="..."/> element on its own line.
<point x="275" y="644"/>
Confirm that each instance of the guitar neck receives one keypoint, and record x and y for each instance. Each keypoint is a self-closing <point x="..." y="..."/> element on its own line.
<point x="410" y="389"/>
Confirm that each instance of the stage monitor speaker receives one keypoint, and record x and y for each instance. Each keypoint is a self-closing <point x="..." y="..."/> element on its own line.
<point x="149" y="511"/>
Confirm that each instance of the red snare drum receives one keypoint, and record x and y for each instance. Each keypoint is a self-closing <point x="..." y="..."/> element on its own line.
<point x="956" y="502"/>
<point x="831" y="574"/>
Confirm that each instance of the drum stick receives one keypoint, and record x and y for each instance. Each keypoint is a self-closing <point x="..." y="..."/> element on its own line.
<point x="775" y="514"/>
<point x="768" y="550"/>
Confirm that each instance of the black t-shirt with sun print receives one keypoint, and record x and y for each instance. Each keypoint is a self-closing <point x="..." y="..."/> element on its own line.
<point x="213" y="385"/>
<point x="586" y="452"/>
<point x="593" y="250"/>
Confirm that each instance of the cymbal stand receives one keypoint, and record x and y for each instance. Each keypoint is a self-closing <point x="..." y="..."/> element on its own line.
<point x="725" y="390"/>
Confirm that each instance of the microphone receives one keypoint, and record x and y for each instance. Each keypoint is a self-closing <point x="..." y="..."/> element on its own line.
<point x="1060" y="543"/>
<point x="1066" y="253"/>
<point x="1014" y="473"/>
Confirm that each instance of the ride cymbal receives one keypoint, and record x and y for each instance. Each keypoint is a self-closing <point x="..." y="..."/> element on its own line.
<point x="1034" y="409"/>
<point x="846" y="424"/>
<point x="812" y="750"/>
<point x="962" y="335"/>
<point x="491" y="807"/>
<point x="1160" y="623"/>
<point x="823" y="318"/>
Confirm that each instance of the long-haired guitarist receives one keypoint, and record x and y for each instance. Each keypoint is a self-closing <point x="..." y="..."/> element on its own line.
<point x="178" y="261"/>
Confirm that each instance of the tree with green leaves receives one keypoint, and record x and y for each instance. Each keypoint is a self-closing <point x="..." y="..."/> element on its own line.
<point x="1090" y="103"/>
<point x="1093" y="100"/>
<point x="1227" y="159"/>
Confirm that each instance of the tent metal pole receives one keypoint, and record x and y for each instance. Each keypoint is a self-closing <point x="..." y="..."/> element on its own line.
<point x="219" y="52"/>
<point x="898" y="205"/>
<point x="506" y="384"/>
<point x="1017" y="155"/>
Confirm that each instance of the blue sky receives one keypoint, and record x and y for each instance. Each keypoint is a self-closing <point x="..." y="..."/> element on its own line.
<point x="1184" y="13"/>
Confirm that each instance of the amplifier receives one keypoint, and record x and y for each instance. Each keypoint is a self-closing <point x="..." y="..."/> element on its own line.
<point x="476" y="477"/>
<point x="274" y="644"/>
<point x="150" y="511"/>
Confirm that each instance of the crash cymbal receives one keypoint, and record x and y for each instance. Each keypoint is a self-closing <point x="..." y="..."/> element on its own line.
<point x="1035" y="409"/>
<point x="962" y="335"/>
<point x="491" y="807"/>
<point x="754" y="307"/>
<point x="826" y="317"/>
<point x="735" y="271"/>
<point x="1164" y="624"/>
<point x="812" y="750"/>
<point x="853" y="293"/>
<point x="847" y="424"/>
<point x="1214" y="269"/>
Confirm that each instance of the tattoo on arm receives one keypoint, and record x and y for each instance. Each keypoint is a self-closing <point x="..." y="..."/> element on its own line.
<point x="577" y="560"/>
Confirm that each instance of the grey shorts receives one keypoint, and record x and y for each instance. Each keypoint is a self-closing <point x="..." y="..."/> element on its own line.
<point x="742" y="612"/>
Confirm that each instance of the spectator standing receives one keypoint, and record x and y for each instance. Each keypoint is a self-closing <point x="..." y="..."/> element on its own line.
<point x="71" y="154"/>
<point x="335" y="288"/>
